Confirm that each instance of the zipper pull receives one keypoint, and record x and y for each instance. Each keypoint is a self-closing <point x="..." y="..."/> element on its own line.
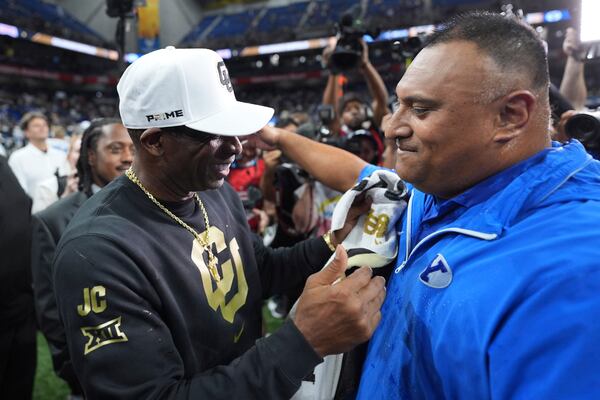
<point x="399" y="268"/>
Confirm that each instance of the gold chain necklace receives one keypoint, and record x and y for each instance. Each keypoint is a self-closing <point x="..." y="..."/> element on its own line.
<point x="203" y="241"/>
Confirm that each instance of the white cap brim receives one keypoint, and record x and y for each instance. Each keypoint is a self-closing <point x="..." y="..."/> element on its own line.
<point x="237" y="119"/>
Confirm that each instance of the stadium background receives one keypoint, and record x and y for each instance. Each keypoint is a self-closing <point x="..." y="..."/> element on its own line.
<point x="64" y="56"/>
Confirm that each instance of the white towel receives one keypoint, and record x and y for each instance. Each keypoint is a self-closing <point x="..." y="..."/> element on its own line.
<point x="372" y="242"/>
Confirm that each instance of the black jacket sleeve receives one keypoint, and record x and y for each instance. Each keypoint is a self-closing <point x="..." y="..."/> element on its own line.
<point x="42" y="252"/>
<point x="16" y="297"/>
<point x="284" y="269"/>
<point x="122" y="348"/>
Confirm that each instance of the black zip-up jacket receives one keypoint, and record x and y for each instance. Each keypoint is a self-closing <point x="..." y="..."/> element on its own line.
<point x="16" y="295"/>
<point x="144" y="319"/>
<point x="48" y="226"/>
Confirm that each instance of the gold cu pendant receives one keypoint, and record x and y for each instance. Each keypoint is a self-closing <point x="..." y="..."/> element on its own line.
<point x="212" y="261"/>
<point x="212" y="266"/>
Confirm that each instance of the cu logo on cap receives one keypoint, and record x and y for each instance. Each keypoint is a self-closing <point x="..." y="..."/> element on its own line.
<point x="224" y="76"/>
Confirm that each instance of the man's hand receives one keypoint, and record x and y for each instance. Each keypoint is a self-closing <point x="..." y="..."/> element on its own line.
<point x="360" y="206"/>
<point x="72" y="185"/>
<point x="267" y="138"/>
<point x="271" y="158"/>
<point x="335" y="318"/>
<point x="572" y="46"/>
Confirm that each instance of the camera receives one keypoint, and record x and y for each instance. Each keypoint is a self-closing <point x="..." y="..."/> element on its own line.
<point x="119" y="8"/>
<point x="348" y="51"/>
<point x="288" y="178"/>
<point x="585" y="127"/>
<point x="323" y="134"/>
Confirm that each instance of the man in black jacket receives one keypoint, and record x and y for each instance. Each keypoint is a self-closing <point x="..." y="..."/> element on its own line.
<point x="158" y="279"/>
<point x="106" y="153"/>
<point x="17" y="318"/>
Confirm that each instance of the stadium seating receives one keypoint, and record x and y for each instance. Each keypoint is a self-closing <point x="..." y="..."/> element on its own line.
<point x="298" y="20"/>
<point x="389" y="8"/>
<point x="194" y="35"/>
<point x="287" y="17"/>
<point x="327" y="13"/>
<point x="46" y="18"/>
<point x="234" y="24"/>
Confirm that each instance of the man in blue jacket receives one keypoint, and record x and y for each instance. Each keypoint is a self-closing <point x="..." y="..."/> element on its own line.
<point x="496" y="288"/>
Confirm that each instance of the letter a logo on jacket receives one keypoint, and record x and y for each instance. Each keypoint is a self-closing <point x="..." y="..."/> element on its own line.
<point x="437" y="274"/>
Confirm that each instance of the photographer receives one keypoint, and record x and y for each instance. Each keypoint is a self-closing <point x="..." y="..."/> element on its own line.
<point x="352" y="111"/>
<point x="571" y="120"/>
<point x="313" y="211"/>
<point x="275" y="188"/>
<point x="350" y="126"/>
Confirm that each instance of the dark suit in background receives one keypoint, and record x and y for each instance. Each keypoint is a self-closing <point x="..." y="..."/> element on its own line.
<point x="17" y="316"/>
<point x="48" y="226"/>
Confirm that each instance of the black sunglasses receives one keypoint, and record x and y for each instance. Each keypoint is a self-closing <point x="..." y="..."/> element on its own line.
<point x="197" y="136"/>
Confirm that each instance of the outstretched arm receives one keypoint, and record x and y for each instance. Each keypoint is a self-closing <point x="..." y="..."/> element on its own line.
<point x="376" y="86"/>
<point x="573" y="82"/>
<point x="332" y="89"/>
<point x="332" y="166"/>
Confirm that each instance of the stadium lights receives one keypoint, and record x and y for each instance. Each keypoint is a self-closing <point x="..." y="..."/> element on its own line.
<point x="49" y="40"/>
<point x="9" y="30"/>
<point x="590" y="28"/>
<point x="547" y="17"/>
<point x="537" y="18"/>
<point x="75" y="46"/>
<point x="274" y="59"/>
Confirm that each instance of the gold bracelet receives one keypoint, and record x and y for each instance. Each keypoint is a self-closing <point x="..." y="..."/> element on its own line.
<point x="327" y="239"/>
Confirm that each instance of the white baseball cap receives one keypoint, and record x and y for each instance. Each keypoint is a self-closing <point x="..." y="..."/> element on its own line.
<point x="191" y="87"/>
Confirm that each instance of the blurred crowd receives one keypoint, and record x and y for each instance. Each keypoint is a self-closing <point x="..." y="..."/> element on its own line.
<point x="65" y="112"/>
<point x="342" y="114"/>
<point x="45" y="134"/>
<point x="40" y="16"/>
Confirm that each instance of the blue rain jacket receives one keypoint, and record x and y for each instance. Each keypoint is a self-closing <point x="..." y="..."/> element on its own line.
<point x="496" y="293"/>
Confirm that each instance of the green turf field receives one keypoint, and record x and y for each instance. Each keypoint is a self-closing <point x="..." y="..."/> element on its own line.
<point x="47" y="385"/>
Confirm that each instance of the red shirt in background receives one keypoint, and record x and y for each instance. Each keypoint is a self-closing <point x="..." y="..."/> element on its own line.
<point x="243" y="177"/>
